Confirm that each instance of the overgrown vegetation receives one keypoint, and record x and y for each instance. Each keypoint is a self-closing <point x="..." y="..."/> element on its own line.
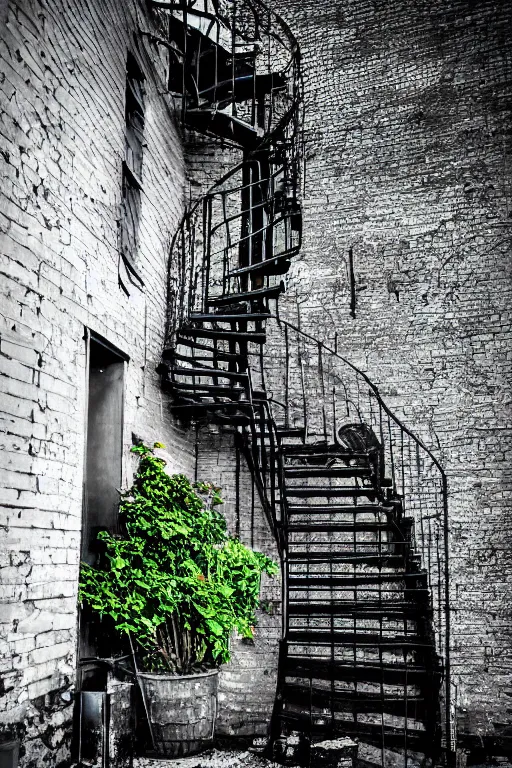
<point x="175" y="581"/>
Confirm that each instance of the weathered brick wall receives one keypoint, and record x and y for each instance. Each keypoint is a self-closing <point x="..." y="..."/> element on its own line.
<point x="207" y="159"/>
<point x="62" y="115"/>
<point x="407" y="143"/>
<point x="407" y="151"/>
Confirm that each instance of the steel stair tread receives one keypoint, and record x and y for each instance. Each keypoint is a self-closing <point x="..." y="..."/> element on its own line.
<point x="199" y="362"/>
<point x="353" y="701"/>
<point x="218" y="354"/>
<point x="349" y="527"/>
<point x="385" y="598"/>
<point x="361" y="671"/>
<point x="260" y="293"/>
<point x="244" y="87"/>
<point x="358" y="639"/>
<point x="338" y="509"/>
<point x="330" y="492"/>
<point x="209" y="372"/>
<point x="218" y="317"/>
<point x="301" y="472"/>
<point x="213" y="333"/>
<point x="201" y="387"/>
<point x="349" y="557"/>
<point x="198" y="400"/>
<point x="266" y="266"/>
<point x="374" y="732"/>
<point x="233" y="409"/>
<point x="353" y="580"/>
<point x="285" y="431"/>
<point x="367" y="609"/>
<point x="223" y="126"/>
<point x="328" y="450"/>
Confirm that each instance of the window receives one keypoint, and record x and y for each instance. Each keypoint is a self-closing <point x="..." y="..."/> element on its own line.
<point x="132" y="177"/>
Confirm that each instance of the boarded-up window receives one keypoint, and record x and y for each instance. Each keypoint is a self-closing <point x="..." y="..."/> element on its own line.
<point x="132" y="176"/>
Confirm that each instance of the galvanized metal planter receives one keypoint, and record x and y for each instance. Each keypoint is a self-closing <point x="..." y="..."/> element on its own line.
<point x="181" y="709"/>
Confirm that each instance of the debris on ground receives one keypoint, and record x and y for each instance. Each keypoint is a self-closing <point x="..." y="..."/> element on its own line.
<point x="213" y="758"/>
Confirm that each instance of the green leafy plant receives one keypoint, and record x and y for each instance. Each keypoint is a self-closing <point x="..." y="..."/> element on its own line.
<point x="176" y="582"/>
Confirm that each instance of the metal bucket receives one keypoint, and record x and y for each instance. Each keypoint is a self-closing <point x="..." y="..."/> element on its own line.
<point x="182" y="710"/>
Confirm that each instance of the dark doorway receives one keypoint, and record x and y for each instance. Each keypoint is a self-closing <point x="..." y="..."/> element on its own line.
<point x="103" y="469"/>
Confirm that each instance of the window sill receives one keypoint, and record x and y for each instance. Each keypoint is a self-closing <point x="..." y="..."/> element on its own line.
<point x="132" y="177"/>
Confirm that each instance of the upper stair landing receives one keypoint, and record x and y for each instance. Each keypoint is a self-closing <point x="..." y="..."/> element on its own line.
<point x="236" y="69"/>
<point x="205" y="18"/>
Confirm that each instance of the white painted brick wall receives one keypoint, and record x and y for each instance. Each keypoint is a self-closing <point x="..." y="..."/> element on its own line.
<point x="62" y="81"/>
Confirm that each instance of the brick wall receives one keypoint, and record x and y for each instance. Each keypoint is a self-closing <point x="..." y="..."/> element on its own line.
<point x="407" y="143"/>
<point x="407" y="151"/>
<point x="62" y="94"/>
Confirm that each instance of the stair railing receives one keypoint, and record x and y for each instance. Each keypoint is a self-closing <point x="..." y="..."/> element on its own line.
<point x="262" y="447"/>
<point x="236" y="68"/>
<point x="319" y="391"/>
<point x="223" y="54"/>
<point x="205" y="251"/>
<point x="251" y="215"/>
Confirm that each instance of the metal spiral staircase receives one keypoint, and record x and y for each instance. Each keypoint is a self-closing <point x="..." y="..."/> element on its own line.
<point x="365" y="650"/>
<point x="357" y="504"/>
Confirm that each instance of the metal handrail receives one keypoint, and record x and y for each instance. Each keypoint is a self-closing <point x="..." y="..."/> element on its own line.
<point x="287" y="328"/>
<point x="196" y="272"/>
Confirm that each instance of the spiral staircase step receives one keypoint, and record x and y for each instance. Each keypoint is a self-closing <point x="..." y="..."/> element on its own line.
<point x="260" y="293"/>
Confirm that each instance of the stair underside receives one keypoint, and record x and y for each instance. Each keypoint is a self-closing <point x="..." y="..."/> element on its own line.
<point x="411" y="706"/>
<point x="373" y="732"/>
<point x="360" y="671"/>
<point x="223" y="125"/>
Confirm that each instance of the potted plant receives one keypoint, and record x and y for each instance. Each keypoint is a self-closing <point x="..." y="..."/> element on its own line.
<point x="178" y="586"/>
